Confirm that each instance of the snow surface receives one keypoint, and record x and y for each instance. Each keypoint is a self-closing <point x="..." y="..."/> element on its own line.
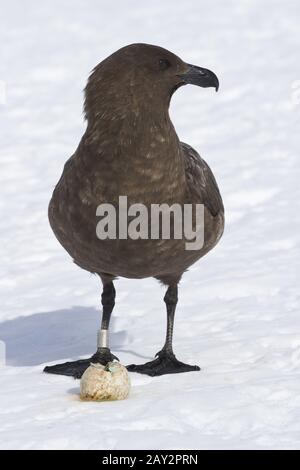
<point x="238" y="314"/>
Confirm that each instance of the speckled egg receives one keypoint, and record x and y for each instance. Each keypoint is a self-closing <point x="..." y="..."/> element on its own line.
<point x="110" y="382"/>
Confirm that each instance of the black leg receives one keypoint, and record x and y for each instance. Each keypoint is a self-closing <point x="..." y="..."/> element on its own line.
<point x="166" y="362"/>
<point x="170" y="300"/>
<point x="103" y="354"/>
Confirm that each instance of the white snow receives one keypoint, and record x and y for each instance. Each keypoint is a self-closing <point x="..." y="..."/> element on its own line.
<point x="238" y="314"/>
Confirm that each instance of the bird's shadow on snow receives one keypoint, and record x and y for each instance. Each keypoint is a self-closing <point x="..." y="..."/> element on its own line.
<point x="55" y="336"/>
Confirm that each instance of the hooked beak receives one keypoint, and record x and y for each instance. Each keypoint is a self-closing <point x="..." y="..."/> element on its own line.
<point x="200" y="76"/>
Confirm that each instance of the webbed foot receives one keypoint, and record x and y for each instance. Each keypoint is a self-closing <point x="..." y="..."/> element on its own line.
<point x="165" y="363"/>
<point x="76" y="368"/>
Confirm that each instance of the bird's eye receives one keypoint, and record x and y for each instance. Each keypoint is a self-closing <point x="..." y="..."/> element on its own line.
<point x="164" y="64"/>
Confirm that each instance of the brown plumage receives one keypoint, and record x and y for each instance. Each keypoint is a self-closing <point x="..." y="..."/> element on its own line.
<point x="130" y="148"/>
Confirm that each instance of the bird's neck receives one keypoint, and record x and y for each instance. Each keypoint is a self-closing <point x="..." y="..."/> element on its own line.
<point x="141" y="147"/>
